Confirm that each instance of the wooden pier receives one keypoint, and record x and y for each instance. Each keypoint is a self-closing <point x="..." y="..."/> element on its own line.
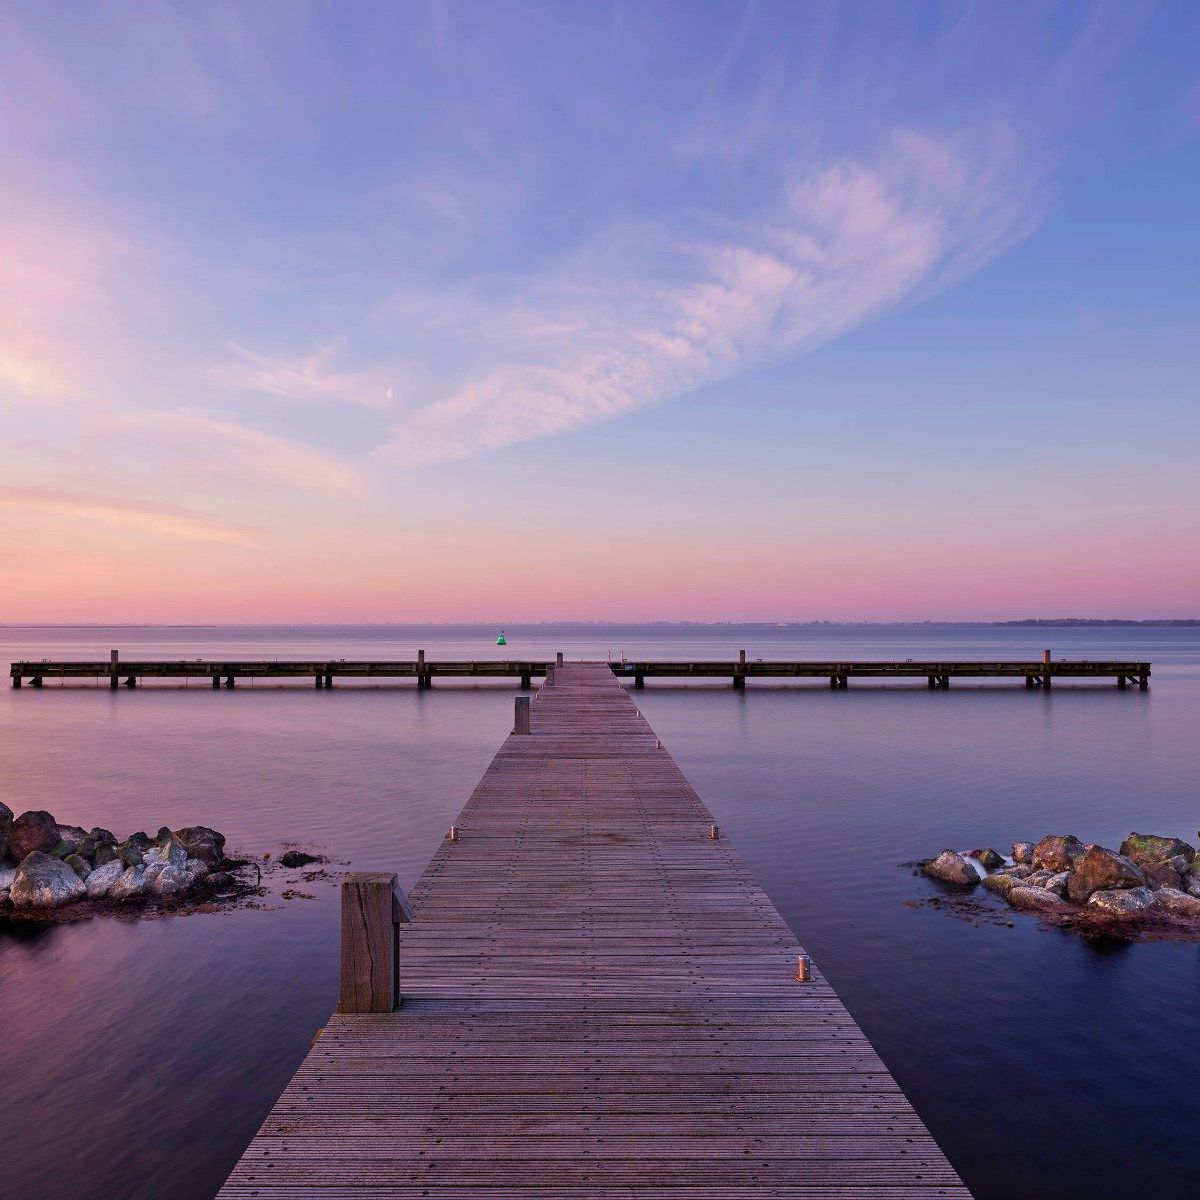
<point x="586" y="996"/>
<point x="1039" y="673"/>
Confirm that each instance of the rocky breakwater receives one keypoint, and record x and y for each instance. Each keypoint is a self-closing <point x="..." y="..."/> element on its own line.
<point x="45" y="866"/>
<point x="1150" y="879"/>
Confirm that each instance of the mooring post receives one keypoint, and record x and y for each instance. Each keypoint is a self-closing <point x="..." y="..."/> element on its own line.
<point x="526" y="681"/>
<point x="549" y="675"/>
<point x="739" y="672"/>
<point x="521" y="714"/>
<point x="558" y="659"/>
<point x="1144" y="678"/>
<point x="112" y="669"/>
<point x="373" y="907"/>
<point x="1046" y="668"/>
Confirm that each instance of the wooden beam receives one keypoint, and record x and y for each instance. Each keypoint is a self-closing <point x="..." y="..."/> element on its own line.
<point x="373" y="905"/>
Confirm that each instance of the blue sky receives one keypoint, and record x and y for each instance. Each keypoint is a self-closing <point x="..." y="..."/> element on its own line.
<point x="849" y="297"/>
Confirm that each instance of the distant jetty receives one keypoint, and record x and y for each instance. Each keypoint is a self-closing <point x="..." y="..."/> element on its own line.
<point x="1034" y="673"/>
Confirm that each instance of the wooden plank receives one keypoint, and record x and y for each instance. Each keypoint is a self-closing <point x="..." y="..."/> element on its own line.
<point x="599" y="1000"/>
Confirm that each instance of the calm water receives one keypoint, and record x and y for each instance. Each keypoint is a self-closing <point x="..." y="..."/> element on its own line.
<point x="139" y="1057"/>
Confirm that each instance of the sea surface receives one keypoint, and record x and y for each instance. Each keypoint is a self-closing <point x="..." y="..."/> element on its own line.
<point x="140" y="1056"/>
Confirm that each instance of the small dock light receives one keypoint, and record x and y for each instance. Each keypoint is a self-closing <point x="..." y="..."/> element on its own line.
<point x="713" y="833"/>
<point x="453" y="834"/>
<point x="803" y="972"/>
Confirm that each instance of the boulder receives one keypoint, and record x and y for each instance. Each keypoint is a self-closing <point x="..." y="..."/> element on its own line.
<point x="1193" y="887"/>
<point x="103" y="877"/>
<point x="42" y="881"/>
<point x="1023" y="853"/>
<point x="130" y="851"/>
<point x="1180" y="903"/>
<point x="1034" y="898"/>
<point x="1057" y="852"/>
<point x="6" y="819"/>
<point x="195" y="869"/>
<point x="1122" y="902"/>
<point x="989" y="858"/>
<point x="1040" y="878"/>
<point x="1001" y="882"/>
<point x="202" y="842"/>
<point x="7" y="875"/>
<point x="217" y="880"/>
<point x="168" y="849"/>
<point x="131" y="882"/>
<point x="105" y="854"/>
<point x="1147" y="848"/>
<point x="79" y="865"/>
<point x="1179" y="862"/>
<point x="1058" y="883"/>
<point x="73" y="835"/>
<point x="1017" y="871"/>
<point x="1161" y="875"/>
<point x="298" y="858"/>
<point x="32" y="831"/>
<point x="102" y="837"/>
<point x="950" y="867"/>
<point x="1101" y="870"/>
<point x="169" y="879"/>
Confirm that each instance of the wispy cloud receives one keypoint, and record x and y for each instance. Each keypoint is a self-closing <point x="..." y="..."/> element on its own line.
<point x="644" y="314"/>
<point x="310" y="378"/>
<point x="164" y="520"/>
<point x="207" y="448"/>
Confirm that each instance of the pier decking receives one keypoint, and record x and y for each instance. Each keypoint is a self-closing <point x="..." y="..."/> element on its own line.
<point x="596" y="999"/>
<point x="1039" y="673"/>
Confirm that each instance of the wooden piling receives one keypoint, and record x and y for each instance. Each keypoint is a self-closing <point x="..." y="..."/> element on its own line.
<point x="521" y="714"/>
<point x="373" y="906"/>
<point x="113" y="671"/>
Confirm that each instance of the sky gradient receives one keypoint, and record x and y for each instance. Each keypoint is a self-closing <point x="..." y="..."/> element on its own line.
<point x="500" y="311"/>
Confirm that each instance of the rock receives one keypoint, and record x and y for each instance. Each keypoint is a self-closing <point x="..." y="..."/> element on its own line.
<point x="1034" y="897"/>
<point x="1058" y="883"/>
<point x="102" y="837"/>
<point x="130" y="851"/>
<point x="105" y="854"/>
<point x="79" y="865"/>
<point x="42" y="881"/>
<point x="1001" y="882"/>
<point x="202" y="842"/>
<point x="1057" y="852"/>
<point x="103" y="877"/>
<point x="1102" y="870"/>
<point x="217" y="880"/>
<point x="297" y="858"/>
<point x="1017" y="871"/>
<point x="1122" y="902"/>
<point x="1161" y="875"/>
<point x="6" y="819"/>
<point x="7" y="875"/>
<point x="950" y="867"/>
<point x="1040" y="878"/>
<point x="1193" y="887"/>
<point x="1022" y="852"/>
<point x="195" y="869"/>
<point x="32" y="831"/>
<point x="989" y="858"/>
<point x="1180" y="903"/>
<point x="131" y="882"/>
<point x="170" y="879"/>
<point x="1179" y="863"/>
<point x="73" y="835"/>
<point x="168" y="849"/>
<point x="1147" y="848"/>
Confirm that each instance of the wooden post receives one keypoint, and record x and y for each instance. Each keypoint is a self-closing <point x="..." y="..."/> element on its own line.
<point x="549" y="675"/>
<point x="1144" y="678"/>
<point x="373" y="906"/>
<point x="112" y="669"/>
<point x="1121" y="682"/>
<point x="639" y="681"/>
<point x="1045" y="668"/>
<point x="229" y="681"/>
<point x="558" y="659"/>
<point x="424" y="679"/>
<point x="36" y="681"/>
<point x="933" y="681"/>
<point x="739" y="672"/>
<point x="521" y="714"/>
<point x="17" y="680"/>
<point x="328" y="678"/>
<point x="216" y="681"/>
<point x="131" y="682"/>
<point x="318" y="680"/>
<point x="526" y="681"/>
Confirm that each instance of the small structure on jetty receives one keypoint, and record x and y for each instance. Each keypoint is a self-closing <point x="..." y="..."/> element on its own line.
<point x="587" y="994"/>
<point x="1039" y="673"/>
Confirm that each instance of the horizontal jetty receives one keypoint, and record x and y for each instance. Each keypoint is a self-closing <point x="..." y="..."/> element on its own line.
<point x="586" y="996"/>
<point x="1040" y="673"/>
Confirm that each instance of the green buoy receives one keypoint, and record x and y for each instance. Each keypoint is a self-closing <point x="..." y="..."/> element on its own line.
<point x="502" y="640"/>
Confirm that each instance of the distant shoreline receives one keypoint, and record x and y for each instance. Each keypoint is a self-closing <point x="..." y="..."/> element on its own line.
<point x="1026" y="622"/>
